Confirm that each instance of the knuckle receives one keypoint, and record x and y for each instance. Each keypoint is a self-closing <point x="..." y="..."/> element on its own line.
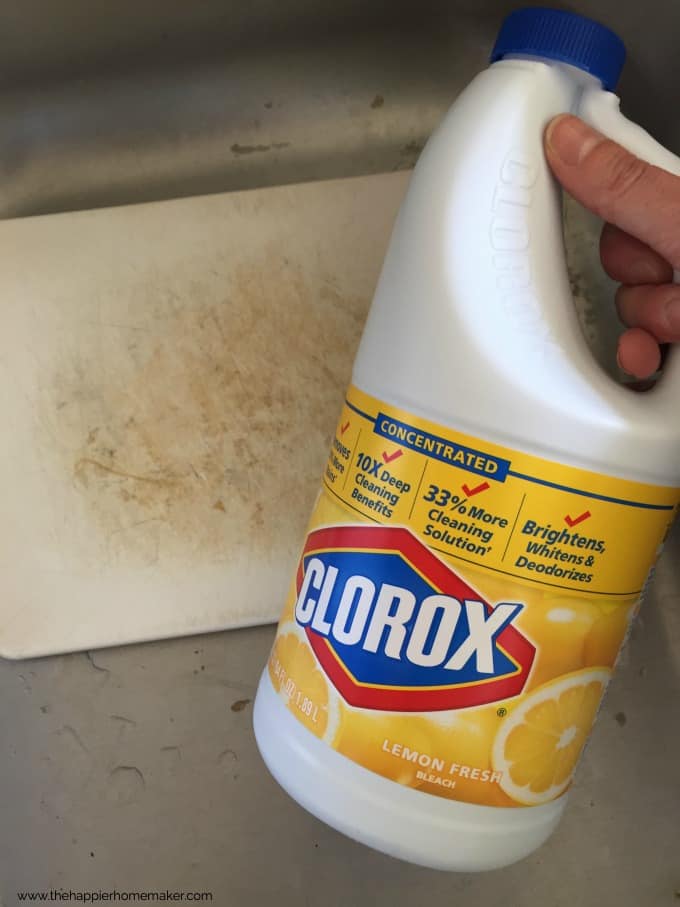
<point x="672" y="244"/>
<point x="620" y="171"/>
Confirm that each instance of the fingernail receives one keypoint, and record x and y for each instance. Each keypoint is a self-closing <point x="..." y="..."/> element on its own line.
<point x="673" y="317"/>
<point x="570" y="139"/>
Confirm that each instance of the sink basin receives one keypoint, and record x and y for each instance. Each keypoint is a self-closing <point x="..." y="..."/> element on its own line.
<point x="145" y="100"/>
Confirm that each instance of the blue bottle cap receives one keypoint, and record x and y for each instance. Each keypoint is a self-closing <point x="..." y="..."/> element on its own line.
<point x="559" y="35"/>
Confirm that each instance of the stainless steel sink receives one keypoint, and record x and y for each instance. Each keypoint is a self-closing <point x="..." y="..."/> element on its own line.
<point x="142" y="100"/>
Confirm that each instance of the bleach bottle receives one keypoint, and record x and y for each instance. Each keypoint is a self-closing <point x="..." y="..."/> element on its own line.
<point x="492" y="503"/>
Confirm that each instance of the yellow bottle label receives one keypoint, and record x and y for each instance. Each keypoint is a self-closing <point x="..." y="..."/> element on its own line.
<point x="459" y="606"/>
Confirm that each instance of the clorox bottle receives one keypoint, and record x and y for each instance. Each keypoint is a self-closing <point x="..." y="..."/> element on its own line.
<point x="492" y="502"/>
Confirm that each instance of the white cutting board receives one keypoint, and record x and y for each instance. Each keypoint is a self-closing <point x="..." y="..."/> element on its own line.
<point x="170" y="375"/>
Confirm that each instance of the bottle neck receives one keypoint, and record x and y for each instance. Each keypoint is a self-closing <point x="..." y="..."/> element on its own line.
<point x="580" y="76"/>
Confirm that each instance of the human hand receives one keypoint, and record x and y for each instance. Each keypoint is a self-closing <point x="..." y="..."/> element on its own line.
<point x="640" y="242"/>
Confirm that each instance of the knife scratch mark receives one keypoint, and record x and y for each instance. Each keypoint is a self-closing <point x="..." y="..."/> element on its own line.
<point x="81" y="464"/>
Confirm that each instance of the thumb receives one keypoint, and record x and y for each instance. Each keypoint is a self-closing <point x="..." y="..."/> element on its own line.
<point x="617" y="186"/>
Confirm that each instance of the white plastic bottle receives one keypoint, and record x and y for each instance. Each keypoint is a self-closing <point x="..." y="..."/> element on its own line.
<point x="492" y="502"/>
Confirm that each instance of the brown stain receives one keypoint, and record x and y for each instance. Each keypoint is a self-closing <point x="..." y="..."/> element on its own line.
<point x="201" y="434"/>
<point x="412" y="149"/>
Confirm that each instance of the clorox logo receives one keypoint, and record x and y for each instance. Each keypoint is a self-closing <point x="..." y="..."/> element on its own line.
<point x="395" y="628"/>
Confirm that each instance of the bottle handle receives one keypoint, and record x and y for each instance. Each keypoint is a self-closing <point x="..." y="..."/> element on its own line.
<point x="600" y="109"/>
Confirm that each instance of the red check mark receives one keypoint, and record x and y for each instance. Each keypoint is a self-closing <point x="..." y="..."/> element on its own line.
<point x="471" y="492"/>
<point x="574" y="521"/>
<point x="393" y="456"/>
<point x="343" y="428"/>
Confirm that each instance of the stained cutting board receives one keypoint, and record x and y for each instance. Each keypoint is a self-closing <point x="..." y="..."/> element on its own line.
<point x="170" y="375"/>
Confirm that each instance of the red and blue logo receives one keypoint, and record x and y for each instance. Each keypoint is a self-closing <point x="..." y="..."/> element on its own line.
<point x="396" y="629"/>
